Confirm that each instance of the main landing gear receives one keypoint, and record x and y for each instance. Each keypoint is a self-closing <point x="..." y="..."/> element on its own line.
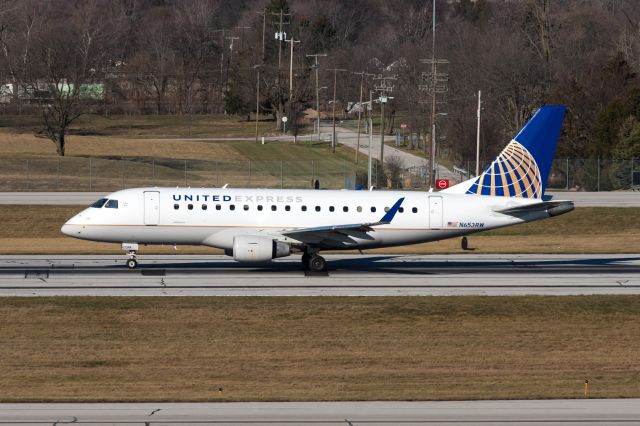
<point x="314" y="262"/>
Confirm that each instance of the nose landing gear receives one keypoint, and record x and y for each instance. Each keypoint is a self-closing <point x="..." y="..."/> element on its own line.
<point x="132" y="263"/>
<point x="131" y="248"/>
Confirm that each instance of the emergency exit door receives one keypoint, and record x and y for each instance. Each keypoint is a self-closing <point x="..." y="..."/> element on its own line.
<point x="435" y="212"/>
<point x="151" y="207"/>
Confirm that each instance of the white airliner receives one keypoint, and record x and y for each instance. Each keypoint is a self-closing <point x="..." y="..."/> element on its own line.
<point x="255" y="225"/>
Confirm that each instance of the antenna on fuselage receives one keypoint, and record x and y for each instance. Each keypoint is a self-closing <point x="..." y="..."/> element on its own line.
<point x="225" y="185"/>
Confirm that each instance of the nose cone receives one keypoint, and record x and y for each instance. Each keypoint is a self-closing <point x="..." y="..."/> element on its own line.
<point x="66" y="229"/>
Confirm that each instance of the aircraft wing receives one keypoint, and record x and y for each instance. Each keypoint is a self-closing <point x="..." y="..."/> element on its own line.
<point x="554" y="208"/>
<point x="336" y="231"/>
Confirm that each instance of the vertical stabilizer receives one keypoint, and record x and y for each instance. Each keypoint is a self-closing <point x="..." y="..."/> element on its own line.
<point x="522" y="168"/>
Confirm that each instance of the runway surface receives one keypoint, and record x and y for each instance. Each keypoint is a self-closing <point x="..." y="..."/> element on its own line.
<point x="505" y="413"/>
<point x="348" y="275"/>
<point x="581" y="199"/>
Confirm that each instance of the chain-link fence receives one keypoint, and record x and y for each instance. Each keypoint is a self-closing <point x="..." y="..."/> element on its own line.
<point x="98" y="174"/>
<point x="91" y="174"/>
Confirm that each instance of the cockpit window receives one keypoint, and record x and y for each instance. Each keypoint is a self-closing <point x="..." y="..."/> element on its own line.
<point x="98" y="204"/>
<point x="111" y="204"/>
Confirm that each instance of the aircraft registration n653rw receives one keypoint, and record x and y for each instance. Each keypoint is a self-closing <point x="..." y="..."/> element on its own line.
<point x="254" y="225"/>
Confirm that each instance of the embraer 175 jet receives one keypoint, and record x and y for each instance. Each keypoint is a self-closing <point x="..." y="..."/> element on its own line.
<point x="255" y="225"/>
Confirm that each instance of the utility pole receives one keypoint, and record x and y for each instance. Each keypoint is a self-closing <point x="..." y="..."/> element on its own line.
<point x="478" y="137"/>
<point x="292" y="41"/>
<point x="438" y="84"/>
<point x="361" y="74"/>
<point x="280" y="35"/>
<point x="222" y="31"/>
<point x="264" y="27"/>
<point x="370" y="135"/>
<point x="335" y="78"/>
<point x="316" y="66"/>
<point x="226" y="77"/>
<point x="257" y="67"/>
<point x="383" y="88"/>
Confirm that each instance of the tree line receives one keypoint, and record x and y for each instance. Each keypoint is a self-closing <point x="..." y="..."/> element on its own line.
<point x="63" y="58"/>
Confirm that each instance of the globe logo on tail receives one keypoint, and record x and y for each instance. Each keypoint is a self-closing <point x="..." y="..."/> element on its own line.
<point x="514" y="173"/>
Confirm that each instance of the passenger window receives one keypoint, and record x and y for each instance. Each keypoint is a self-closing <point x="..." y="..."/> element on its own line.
<point x="303" y="208"/>
<point x="259" y="207"/>
<point x="273" y="208"/>
<point x="98" y="204"/>
<point x="246" y="207"/>
<point x="112" y="204"/>
<point x="176" y="206"/>
<point x="287" y="208"/>
<point x="331" y="208"/>
<point x="345" y="209"/>
<point x="190" y="206"/>
<point x="401" y="209"/>
<point x="318" y="208"/>
<point x="359" y="209"/>
<point x="204" y="207"/>
<point x="232" y="207"/>
<point x="414" y="209"/>
<point x="373" y="209"/>
<point x="218" y="206"/>
<point x="386" y="209"/>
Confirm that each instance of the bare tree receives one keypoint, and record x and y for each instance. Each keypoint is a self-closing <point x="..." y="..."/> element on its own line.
<point x="54" y="61"/>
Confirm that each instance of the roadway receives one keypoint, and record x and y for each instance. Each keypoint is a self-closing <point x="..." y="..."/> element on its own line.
<point x="349" y="275"/>
<point x="505" y="413"/>
<point x="581" y="199"/>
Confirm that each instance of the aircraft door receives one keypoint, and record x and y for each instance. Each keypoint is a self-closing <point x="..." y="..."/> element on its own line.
<point x="435" y="212"/>
<point x="151" y="207"/>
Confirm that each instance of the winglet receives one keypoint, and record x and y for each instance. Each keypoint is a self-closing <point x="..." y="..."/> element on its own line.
<point x="388" y="217"/>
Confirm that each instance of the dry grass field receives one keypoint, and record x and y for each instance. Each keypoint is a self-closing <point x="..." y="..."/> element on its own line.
<point x="36" y="230"/>
<point x="319" y="348"/>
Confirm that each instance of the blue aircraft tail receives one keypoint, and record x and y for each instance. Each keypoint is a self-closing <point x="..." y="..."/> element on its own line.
<point x="522" y="168"/>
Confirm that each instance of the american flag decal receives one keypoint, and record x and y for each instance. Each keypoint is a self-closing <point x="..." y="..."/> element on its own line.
<point x="452" y="224"/>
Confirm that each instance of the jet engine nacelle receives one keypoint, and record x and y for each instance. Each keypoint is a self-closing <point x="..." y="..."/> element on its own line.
<point x="250" y="248"/>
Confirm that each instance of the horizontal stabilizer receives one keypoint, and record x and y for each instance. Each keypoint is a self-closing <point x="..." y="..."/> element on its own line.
<point x="553" y="208"/>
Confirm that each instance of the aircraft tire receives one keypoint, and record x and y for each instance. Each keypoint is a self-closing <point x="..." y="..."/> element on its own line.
<point x="132" y="264"/>
<point x="317" y="263"/>
<point x="464" y="243"/>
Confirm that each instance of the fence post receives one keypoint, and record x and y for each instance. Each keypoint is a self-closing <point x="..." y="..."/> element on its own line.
<point x="598" y="174"/>
<point x="122" y="162"/>
<point x="632" y="165"/>
<point x="58" y="175"/>
<point x="249" y="183"/>
<point x="567" y="174"/>
<point x="90" y="177"/>
<point x="281" y="176"/>
<point x="185" y="173"/>
<point x="313" y="172"/>
<point x="28" y="177"/>
<point x="153" y="171"/>
<point x="217" y="174"/>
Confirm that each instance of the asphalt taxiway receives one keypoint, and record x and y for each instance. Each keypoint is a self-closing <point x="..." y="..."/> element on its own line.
<point x="348" y="275"/>
<point x="504" y="413"/>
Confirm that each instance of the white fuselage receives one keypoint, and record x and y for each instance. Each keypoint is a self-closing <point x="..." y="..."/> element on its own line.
<point x="215" y="216"/>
